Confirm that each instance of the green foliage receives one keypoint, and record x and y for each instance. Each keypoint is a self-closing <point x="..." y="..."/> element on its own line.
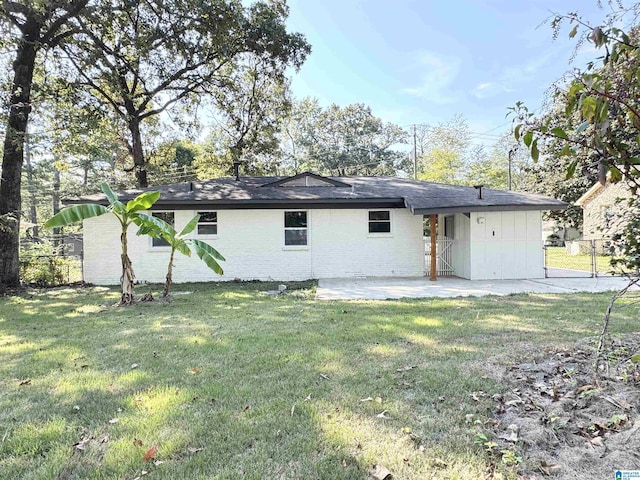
<point x="75" y="213"/>
<point x="126" y="215"/>
<point x="596" y="123"/>
<point x="158" y="228"/>
<point x="442" y="166"/>
<point x="41" y="265"/>
<point x="338" y="141"/>
<point x="184" y="51"/>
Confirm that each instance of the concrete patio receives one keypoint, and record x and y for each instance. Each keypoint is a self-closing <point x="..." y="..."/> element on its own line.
<point x="392" y="287"/>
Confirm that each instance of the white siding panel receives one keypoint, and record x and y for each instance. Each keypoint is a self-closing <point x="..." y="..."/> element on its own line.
<point x="506" y="245"/>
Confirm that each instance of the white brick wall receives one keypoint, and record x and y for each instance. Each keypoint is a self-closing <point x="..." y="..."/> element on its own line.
<point x="252" y="241"/>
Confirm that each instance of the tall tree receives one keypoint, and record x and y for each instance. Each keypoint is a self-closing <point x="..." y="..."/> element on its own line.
<point x="443" y="151"/>
<point x="352" y="141"/>
<point x="33" y="27"/>
<point x="142" y="57"/>
<point x="599" y="122"/>
<point x="250" y="103"/>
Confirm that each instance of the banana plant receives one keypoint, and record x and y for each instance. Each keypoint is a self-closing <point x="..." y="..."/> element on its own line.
<point x="158" y="228"/>
<point x="125" y="213"/>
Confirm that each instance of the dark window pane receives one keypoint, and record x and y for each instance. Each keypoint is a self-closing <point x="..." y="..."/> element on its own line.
<point x="207" y="229"/>
<point x="295" y="237"/>
<point x="380" y="215"/>
<point x="168" y="217"/>
<point x="449" y="225"/>
<point x="295" y="219"/>
<point x="208" y="217"/>
<point x="379" y="227"/>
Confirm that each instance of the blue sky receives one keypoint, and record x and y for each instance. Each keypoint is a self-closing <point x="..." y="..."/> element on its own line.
<point x="423" y="61"/>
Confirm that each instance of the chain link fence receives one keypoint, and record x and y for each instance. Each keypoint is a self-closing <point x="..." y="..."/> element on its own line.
<point x="579" y="258"/>
<point x="50" y="270"/>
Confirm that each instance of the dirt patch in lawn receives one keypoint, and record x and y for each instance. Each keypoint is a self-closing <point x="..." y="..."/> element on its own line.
<point x="557" y="418"/>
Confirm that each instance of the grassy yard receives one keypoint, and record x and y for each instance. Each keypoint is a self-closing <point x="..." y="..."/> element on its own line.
<point x="557" y="257"/>
<point x="230" y="383"/>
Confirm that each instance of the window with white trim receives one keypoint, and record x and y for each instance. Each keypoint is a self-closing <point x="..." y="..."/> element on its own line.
<point x="208" y="223"/>
<point x="380" y="221"/>
<point x="168" y="217"/>
<point x="295" y="228"/>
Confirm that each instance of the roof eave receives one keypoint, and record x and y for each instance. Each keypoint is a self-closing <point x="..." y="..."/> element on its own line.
<point x="487" y="208"/>
<point x="588" y="194"/>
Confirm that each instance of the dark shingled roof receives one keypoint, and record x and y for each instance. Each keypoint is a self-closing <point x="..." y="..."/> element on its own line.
<point x="422" y="198"/>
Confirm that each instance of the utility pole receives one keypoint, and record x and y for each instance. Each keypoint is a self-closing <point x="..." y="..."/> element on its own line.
<point x="511" y="152"/>
<point x="56" y="205"/>
<point x="33" y="217"/>
<point x="415" y="154"/>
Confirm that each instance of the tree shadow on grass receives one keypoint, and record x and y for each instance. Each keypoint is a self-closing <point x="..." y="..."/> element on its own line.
<point x="268" y="387"/>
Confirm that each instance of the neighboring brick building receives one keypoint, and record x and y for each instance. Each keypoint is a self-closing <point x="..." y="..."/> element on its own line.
<point x="599" y="206"/>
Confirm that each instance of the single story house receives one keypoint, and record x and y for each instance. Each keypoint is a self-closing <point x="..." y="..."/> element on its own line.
<point x="309" y="226"/>
<point x="600" y="205"/>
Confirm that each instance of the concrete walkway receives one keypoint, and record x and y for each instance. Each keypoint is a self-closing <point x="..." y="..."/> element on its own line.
<point x="392" y="287"/>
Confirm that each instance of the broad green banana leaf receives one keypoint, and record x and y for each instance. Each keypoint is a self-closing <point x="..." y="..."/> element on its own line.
<point x="208" y="255"/>
<point x="189" y="227"/>
<point x="143" y="201"/>
<point x="74" y="214"/>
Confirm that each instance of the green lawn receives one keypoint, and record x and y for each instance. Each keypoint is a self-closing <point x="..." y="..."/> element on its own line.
<point x="557" y="257"/>
<point x="230" y="383"/>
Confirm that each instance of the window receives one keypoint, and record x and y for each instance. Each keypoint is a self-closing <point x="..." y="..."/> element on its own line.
<point x="449" y="226"/>
<point x="380" y="221"/>
<point x="208" y="223"/>
<point x="168" y="217"/>
<point x="295" y="228"/>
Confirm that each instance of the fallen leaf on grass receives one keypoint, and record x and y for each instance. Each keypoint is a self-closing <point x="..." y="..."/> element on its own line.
<point x="194" y="371"/>
<point x="25" y="382"/>
<point x="137" y="443"/>
<point x="511" y="434"/>
<point x="82" y="443"/>
<point x="134" y="366"/>
<point x="624" y="404"/>
<point x="406" y="368"/>
<point x="381" y="473"/>
<point x="114" y="420"/>
<point x="476" y="395"/>
<point x="194" y="449"/>
<point x="151" y="453"/>
<point x="549" y="468"/>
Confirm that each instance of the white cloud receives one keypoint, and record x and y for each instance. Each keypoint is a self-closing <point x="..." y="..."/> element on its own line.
<point x="511" y="78"/>
<point x="436" y="78"/>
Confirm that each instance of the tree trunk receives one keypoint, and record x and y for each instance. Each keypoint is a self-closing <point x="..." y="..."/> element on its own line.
<point x="13" y="156"/>
<point x="139" y="164"/>
<point x="169" y="280"/>
<point x="127" y="278"/>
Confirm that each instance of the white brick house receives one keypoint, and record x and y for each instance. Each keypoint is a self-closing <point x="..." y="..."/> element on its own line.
<point x="307" y="226"/>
